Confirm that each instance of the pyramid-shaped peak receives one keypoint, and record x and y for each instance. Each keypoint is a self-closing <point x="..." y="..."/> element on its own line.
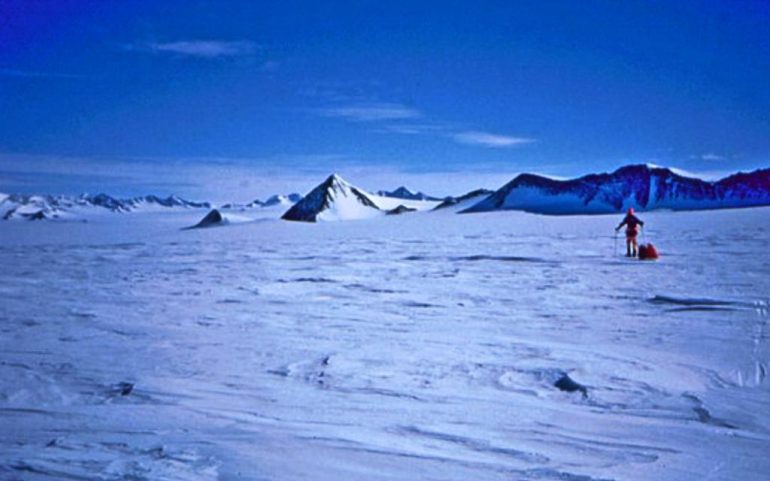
<point x="333" y="199"/>
<point x="335" y="178"/>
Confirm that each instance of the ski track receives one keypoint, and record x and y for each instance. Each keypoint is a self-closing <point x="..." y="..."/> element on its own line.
<point x="385" y="349"/>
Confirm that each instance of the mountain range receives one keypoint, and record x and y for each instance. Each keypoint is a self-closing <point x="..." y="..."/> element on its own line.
<point x="644" y="187"/>
<point x="36" y="207"/>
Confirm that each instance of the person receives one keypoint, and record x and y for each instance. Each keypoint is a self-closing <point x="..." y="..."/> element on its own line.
<point x="632" y="224"/>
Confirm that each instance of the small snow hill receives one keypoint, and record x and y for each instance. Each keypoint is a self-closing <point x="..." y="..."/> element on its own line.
<point x="336" y="199"/>
<point x="212" y="219"/>
<point x="644" y="187"/>
<point x="401" y="209"/>
<point x="464" y="201"/>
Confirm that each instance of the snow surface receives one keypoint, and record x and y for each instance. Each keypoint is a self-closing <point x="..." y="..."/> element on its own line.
<point x="388" y="203"/>
<point x="407" y="347"/>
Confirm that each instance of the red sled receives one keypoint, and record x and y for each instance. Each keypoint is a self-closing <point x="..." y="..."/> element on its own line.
<point x="648" y="252"/>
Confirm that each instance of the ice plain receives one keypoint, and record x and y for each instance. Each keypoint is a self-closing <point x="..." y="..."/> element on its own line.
<point x="422" y="346"/>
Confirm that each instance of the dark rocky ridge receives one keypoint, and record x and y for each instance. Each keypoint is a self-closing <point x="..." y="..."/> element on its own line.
<point x="641" y="186"/>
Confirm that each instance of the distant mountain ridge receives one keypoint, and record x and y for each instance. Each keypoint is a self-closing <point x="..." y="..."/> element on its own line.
<point x="36" y="207"/>
<point x="289" y="199"/>
<point x="643" y="187"/>
<point x="404" y="193"/>
<point x="278" y="199"/>
<point x="39" y="207"/>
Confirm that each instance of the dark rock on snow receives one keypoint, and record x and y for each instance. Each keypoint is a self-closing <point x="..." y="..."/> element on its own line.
<point x="401" y="209"/>
<point x="213" y="218"/>
<point x="566" y="383"/>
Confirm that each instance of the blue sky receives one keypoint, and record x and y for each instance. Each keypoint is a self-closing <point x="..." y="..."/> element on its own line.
<point x="241" y="99"/>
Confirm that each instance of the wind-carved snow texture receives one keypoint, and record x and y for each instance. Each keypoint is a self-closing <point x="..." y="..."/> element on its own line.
<point x="396" y="348"/>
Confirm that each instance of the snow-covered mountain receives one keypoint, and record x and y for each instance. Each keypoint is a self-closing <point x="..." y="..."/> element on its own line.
<point x="404" y="193"/>
<point x="644" y="187"/>
<point x="336" y="199"/>
<point x="36" y="207"/>
<point x="31" y="207"/>
<point x="333" y="199"/>
<point x="127" y="205"/>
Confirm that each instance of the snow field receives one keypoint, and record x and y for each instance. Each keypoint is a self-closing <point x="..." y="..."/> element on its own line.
<point x="406" y="347"/>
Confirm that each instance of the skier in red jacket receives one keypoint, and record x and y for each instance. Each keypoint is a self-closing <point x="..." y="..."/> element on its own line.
<point x="632" y="224"/>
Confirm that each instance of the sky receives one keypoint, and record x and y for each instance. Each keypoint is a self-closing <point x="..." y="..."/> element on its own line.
<point x="235" y="100"/>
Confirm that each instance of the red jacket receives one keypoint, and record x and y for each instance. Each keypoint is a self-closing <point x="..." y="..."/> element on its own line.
<point x="631" y="222"/>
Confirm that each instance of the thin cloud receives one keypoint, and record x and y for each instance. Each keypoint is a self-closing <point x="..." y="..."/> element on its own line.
<point x="711" y="156"/>
<point x="395" y="118"/>
<point x="205" y="48"/>
<point x="486" y="139"/>
<point x="372" y="112"/>
<point x="413" y="129"/>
